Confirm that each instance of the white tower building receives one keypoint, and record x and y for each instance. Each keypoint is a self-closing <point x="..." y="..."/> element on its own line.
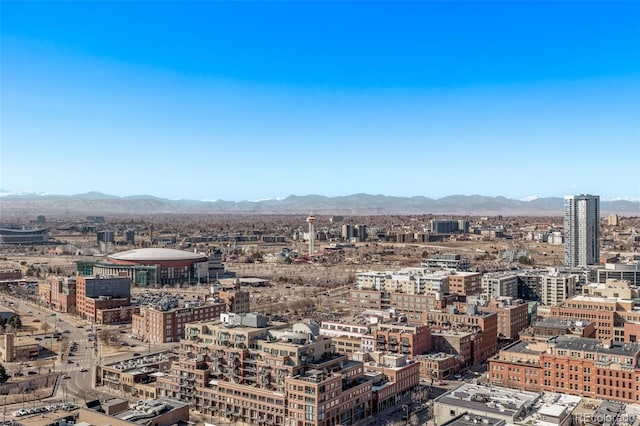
<point x="312" y="234"/>
<point x="581" y="230"/>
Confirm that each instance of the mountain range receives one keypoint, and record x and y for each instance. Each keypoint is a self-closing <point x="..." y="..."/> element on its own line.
<point x="96" y="203"/>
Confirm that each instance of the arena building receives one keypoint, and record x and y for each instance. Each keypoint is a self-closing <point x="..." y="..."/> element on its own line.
<point x="173" y="266"/>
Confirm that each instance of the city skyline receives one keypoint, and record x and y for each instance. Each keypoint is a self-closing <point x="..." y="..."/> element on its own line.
<point x="251" y="101"/>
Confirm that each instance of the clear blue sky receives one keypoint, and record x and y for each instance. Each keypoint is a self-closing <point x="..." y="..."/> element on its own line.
<point x="245" y="101"/>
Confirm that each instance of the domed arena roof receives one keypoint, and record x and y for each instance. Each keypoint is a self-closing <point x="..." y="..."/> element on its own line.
<point x="156" y="254"/>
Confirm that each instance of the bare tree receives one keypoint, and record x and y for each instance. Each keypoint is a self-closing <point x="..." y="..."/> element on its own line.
<point x="64" y="346"/>
<point x="45" y="326"/>
<point x="107" y="336"/>
<point x="413" y="419"/>
<point x="20" y="368"/>
<point x="123" y="314"/>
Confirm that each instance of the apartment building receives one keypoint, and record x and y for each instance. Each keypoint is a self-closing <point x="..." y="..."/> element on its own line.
<point x="135" y="377"/>
<point x="446" y="261"/>
<point x="581" y="230"/>
<point x="253" y="371"/>
<point x="482" y="325"/>
<point x="59" y="293"/>
<point x="513" y="316"/>
<point x="500" y="284"/>
<point x="456" y="343"/>
<point x="438" y="366"/>
<point x="392" y="376"/>
<point x="402" y="338"/>
<point x="465" y="283"/>
<point x="237" y="301"/>
<point x="405" y="280"/>
<point x="349" y="336"/>
<point x="157" y="325"/>
<point x="412" y="305"/>
<point x="556" y="287"/>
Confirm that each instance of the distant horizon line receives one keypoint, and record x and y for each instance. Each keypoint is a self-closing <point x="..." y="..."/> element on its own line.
<point x="529" y="198"/>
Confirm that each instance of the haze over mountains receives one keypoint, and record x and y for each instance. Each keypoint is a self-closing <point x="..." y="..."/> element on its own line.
<point x="357" y="204"/>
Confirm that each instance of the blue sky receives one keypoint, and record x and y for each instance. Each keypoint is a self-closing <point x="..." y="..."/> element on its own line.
<point x="254" y="100"/>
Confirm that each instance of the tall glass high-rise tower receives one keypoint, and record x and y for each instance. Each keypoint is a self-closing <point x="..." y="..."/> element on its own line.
<point x="581" y="230"/>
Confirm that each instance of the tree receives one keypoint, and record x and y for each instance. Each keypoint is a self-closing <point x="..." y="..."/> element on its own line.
<point x="123" y="314"/>
<point x="19" y="367"/>
<point x="414" y="420"/>
<point x="16" y="322"/>
<point x="45" y="326"/>
<point x="3" y="374"/>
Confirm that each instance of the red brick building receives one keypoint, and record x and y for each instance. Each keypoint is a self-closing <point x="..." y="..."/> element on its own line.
<point x="403" y="338"/>
<point x="161" y="326"/>
<point x="96" y="293"/>
<point x="482" y="325"/>
<point x="59" y="293"/>
<point x="513" y="316"/>
<point x="465" y="283"/>
<point x="592" y="368"/>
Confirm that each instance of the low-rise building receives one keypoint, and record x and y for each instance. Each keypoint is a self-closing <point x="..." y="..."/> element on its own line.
<point x="482" y="325"/>
<point x="484" y="400"/>
<point x="553" y="326"/>
<point x="403" y="338"/>
<point x="438" y="366"/>
<point x="277" y="374"/>
<point x="392" y="376"/>
<point x="157" y="325"/>
<point x="135" y="377"/>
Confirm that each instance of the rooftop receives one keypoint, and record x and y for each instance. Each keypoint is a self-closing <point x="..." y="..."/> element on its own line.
<point x="521" y="347"/>
<point x="551" y="409"/>
<point x="474" y="420"/>
<point x="553" y="322"/>
<point x="157" y="254"/>
<point x="489" y="399"/>
<point x="582" y="298"/>
<point x="595" y="345"/>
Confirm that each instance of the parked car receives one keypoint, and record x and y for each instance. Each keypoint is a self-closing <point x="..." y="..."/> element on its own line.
<point x="83" y="370"/>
